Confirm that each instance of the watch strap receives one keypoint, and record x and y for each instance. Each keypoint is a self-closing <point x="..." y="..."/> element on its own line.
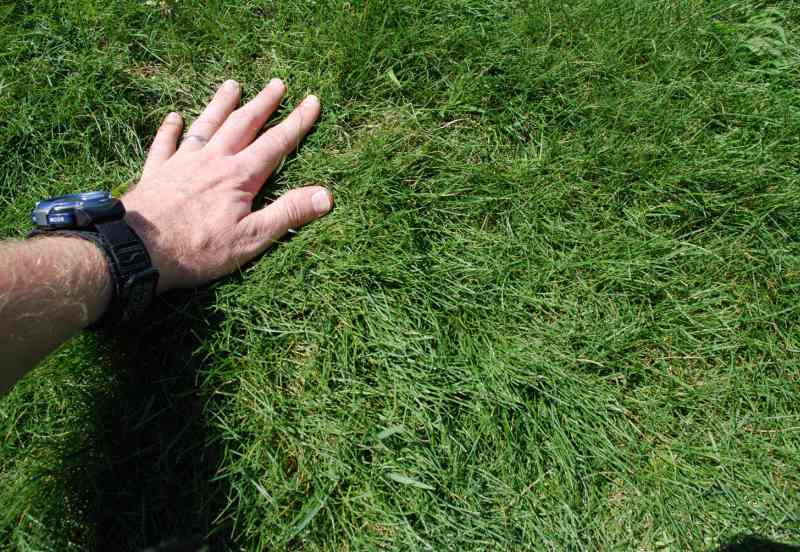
<point x="135" y="276"/>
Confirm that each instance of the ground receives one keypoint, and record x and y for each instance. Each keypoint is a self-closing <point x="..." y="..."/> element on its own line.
<point x="555" y="307"/>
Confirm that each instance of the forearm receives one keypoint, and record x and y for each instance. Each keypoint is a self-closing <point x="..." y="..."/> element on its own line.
<point x="50" y="288"/>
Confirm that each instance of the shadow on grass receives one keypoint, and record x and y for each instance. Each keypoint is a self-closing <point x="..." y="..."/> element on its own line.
<point x="754" y="543"/>
<point x="147" y="482"/>
<point x="153" y="458"/>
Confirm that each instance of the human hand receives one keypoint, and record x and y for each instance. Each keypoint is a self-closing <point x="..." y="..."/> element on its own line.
<point x="193" y="204"/>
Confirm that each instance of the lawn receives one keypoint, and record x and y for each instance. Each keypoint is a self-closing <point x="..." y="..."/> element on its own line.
<point x="555" y="307"/>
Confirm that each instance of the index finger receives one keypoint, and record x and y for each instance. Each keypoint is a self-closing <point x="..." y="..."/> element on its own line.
<point x="266" y="152"/>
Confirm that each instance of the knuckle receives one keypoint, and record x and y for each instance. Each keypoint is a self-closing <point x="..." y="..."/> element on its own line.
<point x="206" y="123"/>
<point x="244" y="117"/>
<point x="199" y="242"/>
<point x="234" y="167"/>
<point x="246" y="240"/>
<point x="240" y="170"/>
<point x="283" y="137"/>
<point x="292" y="212"/>
<point x="248" y="231"/>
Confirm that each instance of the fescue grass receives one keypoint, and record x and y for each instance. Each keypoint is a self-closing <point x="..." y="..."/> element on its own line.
<point x="556" y="306"/>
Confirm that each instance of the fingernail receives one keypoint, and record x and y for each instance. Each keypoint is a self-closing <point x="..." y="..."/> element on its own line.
<point x="311" y="100"/>
<point x="231" y="84"/>
<point x="276" y="82"/>
<point x="173" y="117"/>
<point x="322" y="202"/>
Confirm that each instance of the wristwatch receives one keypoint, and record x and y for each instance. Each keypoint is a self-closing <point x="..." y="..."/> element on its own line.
<point x="100" y="218"/>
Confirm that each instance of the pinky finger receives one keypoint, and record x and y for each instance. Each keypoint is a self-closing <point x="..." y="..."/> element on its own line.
<point x="165" y="142"/>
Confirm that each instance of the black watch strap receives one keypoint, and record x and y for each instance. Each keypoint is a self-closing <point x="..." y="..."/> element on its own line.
<point x="134" y="280"/>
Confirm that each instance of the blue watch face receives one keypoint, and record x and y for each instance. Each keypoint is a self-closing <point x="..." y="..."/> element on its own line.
<point x="76" y="210"/>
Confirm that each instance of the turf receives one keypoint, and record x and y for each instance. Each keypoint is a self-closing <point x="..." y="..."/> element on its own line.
<point x="556" y="306"/>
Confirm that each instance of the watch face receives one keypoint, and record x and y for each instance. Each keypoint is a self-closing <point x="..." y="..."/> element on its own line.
<point x="76" y="210"/>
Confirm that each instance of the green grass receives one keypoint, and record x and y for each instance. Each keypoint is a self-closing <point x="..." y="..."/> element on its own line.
<point x="556" y="306"/>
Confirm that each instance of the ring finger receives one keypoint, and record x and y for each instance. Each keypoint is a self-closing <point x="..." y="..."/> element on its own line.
<point x="216" y="112"/>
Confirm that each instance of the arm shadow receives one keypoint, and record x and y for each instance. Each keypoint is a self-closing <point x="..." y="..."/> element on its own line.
<point x="147" y="480"/>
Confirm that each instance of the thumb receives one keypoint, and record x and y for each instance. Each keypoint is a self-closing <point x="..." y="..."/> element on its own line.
<point x="292" y="210"/>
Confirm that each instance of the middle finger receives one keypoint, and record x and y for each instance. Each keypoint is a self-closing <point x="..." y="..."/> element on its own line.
<point x="242" y="126"/>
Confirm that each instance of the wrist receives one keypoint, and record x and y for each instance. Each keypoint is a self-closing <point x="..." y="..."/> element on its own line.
<point x="97" y="271"/>
<point x="161" y="259"/>
<point x="83" y="280"/>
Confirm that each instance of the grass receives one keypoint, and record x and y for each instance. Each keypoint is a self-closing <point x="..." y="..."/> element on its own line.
<point x="556" y="306"/>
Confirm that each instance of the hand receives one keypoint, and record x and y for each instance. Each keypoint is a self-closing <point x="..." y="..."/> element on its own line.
<point x="193" y="204"/>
